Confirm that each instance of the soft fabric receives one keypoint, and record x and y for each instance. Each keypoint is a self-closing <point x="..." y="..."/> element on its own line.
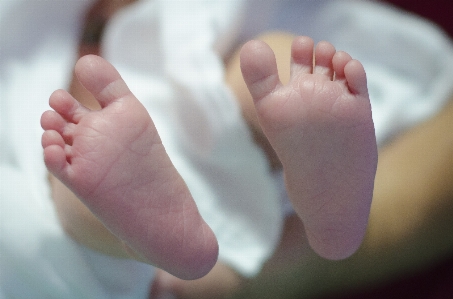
<point x="169" y="51"/>
<point x="175" y="68"/>
<point x="38" y="41"/>
<point x="170" y="54"/>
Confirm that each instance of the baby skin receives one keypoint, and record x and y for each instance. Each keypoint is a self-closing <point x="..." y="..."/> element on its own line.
<point x="115" y="163"/>
<point x="319" y="125"/>
<point x="321" y="128"/>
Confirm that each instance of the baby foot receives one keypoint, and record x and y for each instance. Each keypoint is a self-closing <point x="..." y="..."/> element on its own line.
<point x="321" y="128"/>
<point x="114" y="161"/>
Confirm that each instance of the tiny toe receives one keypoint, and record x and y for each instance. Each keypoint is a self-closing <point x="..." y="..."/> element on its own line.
<point x="55" y="159"/>
<point x="302" y="55"/>
<point x="52" y="137"/>
<point x="356" y="77"/>
<point x="67" y="106"/>
<point x="339" y="61"/>
<point x="324" y="53"/>
<point x="101" y="79"/>
<point x="259" y="69"/>
<point x="51" y="120"/>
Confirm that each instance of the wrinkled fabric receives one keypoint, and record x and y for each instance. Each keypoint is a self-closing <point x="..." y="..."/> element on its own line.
<point x="176" y="69"/>
<point x="169" y="52"/>
<point x="170" y="55"/>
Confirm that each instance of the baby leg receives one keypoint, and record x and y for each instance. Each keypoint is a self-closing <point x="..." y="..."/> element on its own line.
<point x="114" y="161"/>
<point x="321" y="128"/>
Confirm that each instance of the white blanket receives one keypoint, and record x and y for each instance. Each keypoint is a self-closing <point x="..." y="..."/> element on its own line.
<point x="172" y="68"/>
<point x="38" y="40"/>
<point x="169" y="52"/>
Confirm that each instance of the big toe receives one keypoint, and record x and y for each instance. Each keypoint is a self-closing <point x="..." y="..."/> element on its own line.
<point x="101" y="79"/>
<point x="259" y="68"/>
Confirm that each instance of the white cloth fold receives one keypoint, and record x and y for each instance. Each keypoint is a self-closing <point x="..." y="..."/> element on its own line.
<point x="174" y="46"/>
<point x="170" y="54"/>
<point x="38" y="44"/>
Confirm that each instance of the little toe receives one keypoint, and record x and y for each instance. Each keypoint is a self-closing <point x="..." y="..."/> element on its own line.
<point x="356" y="77"/>
<point x="55" y="160"/>
<point x="302" y="55"/>
<point x="259" y="69"/>
<point x="101" y="79"/>
<point x="324" y="53"/>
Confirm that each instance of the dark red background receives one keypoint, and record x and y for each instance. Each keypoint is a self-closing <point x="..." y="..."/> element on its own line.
<point x="439" y="11"/>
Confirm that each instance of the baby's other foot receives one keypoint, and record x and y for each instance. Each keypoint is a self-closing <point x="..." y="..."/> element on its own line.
<point x="114" y="161"/>
<point x="320" y="126"/>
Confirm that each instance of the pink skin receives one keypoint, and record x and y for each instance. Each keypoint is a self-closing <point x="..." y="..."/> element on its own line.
<point x="114" y="161"/>
<point x="321" y="128"/>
